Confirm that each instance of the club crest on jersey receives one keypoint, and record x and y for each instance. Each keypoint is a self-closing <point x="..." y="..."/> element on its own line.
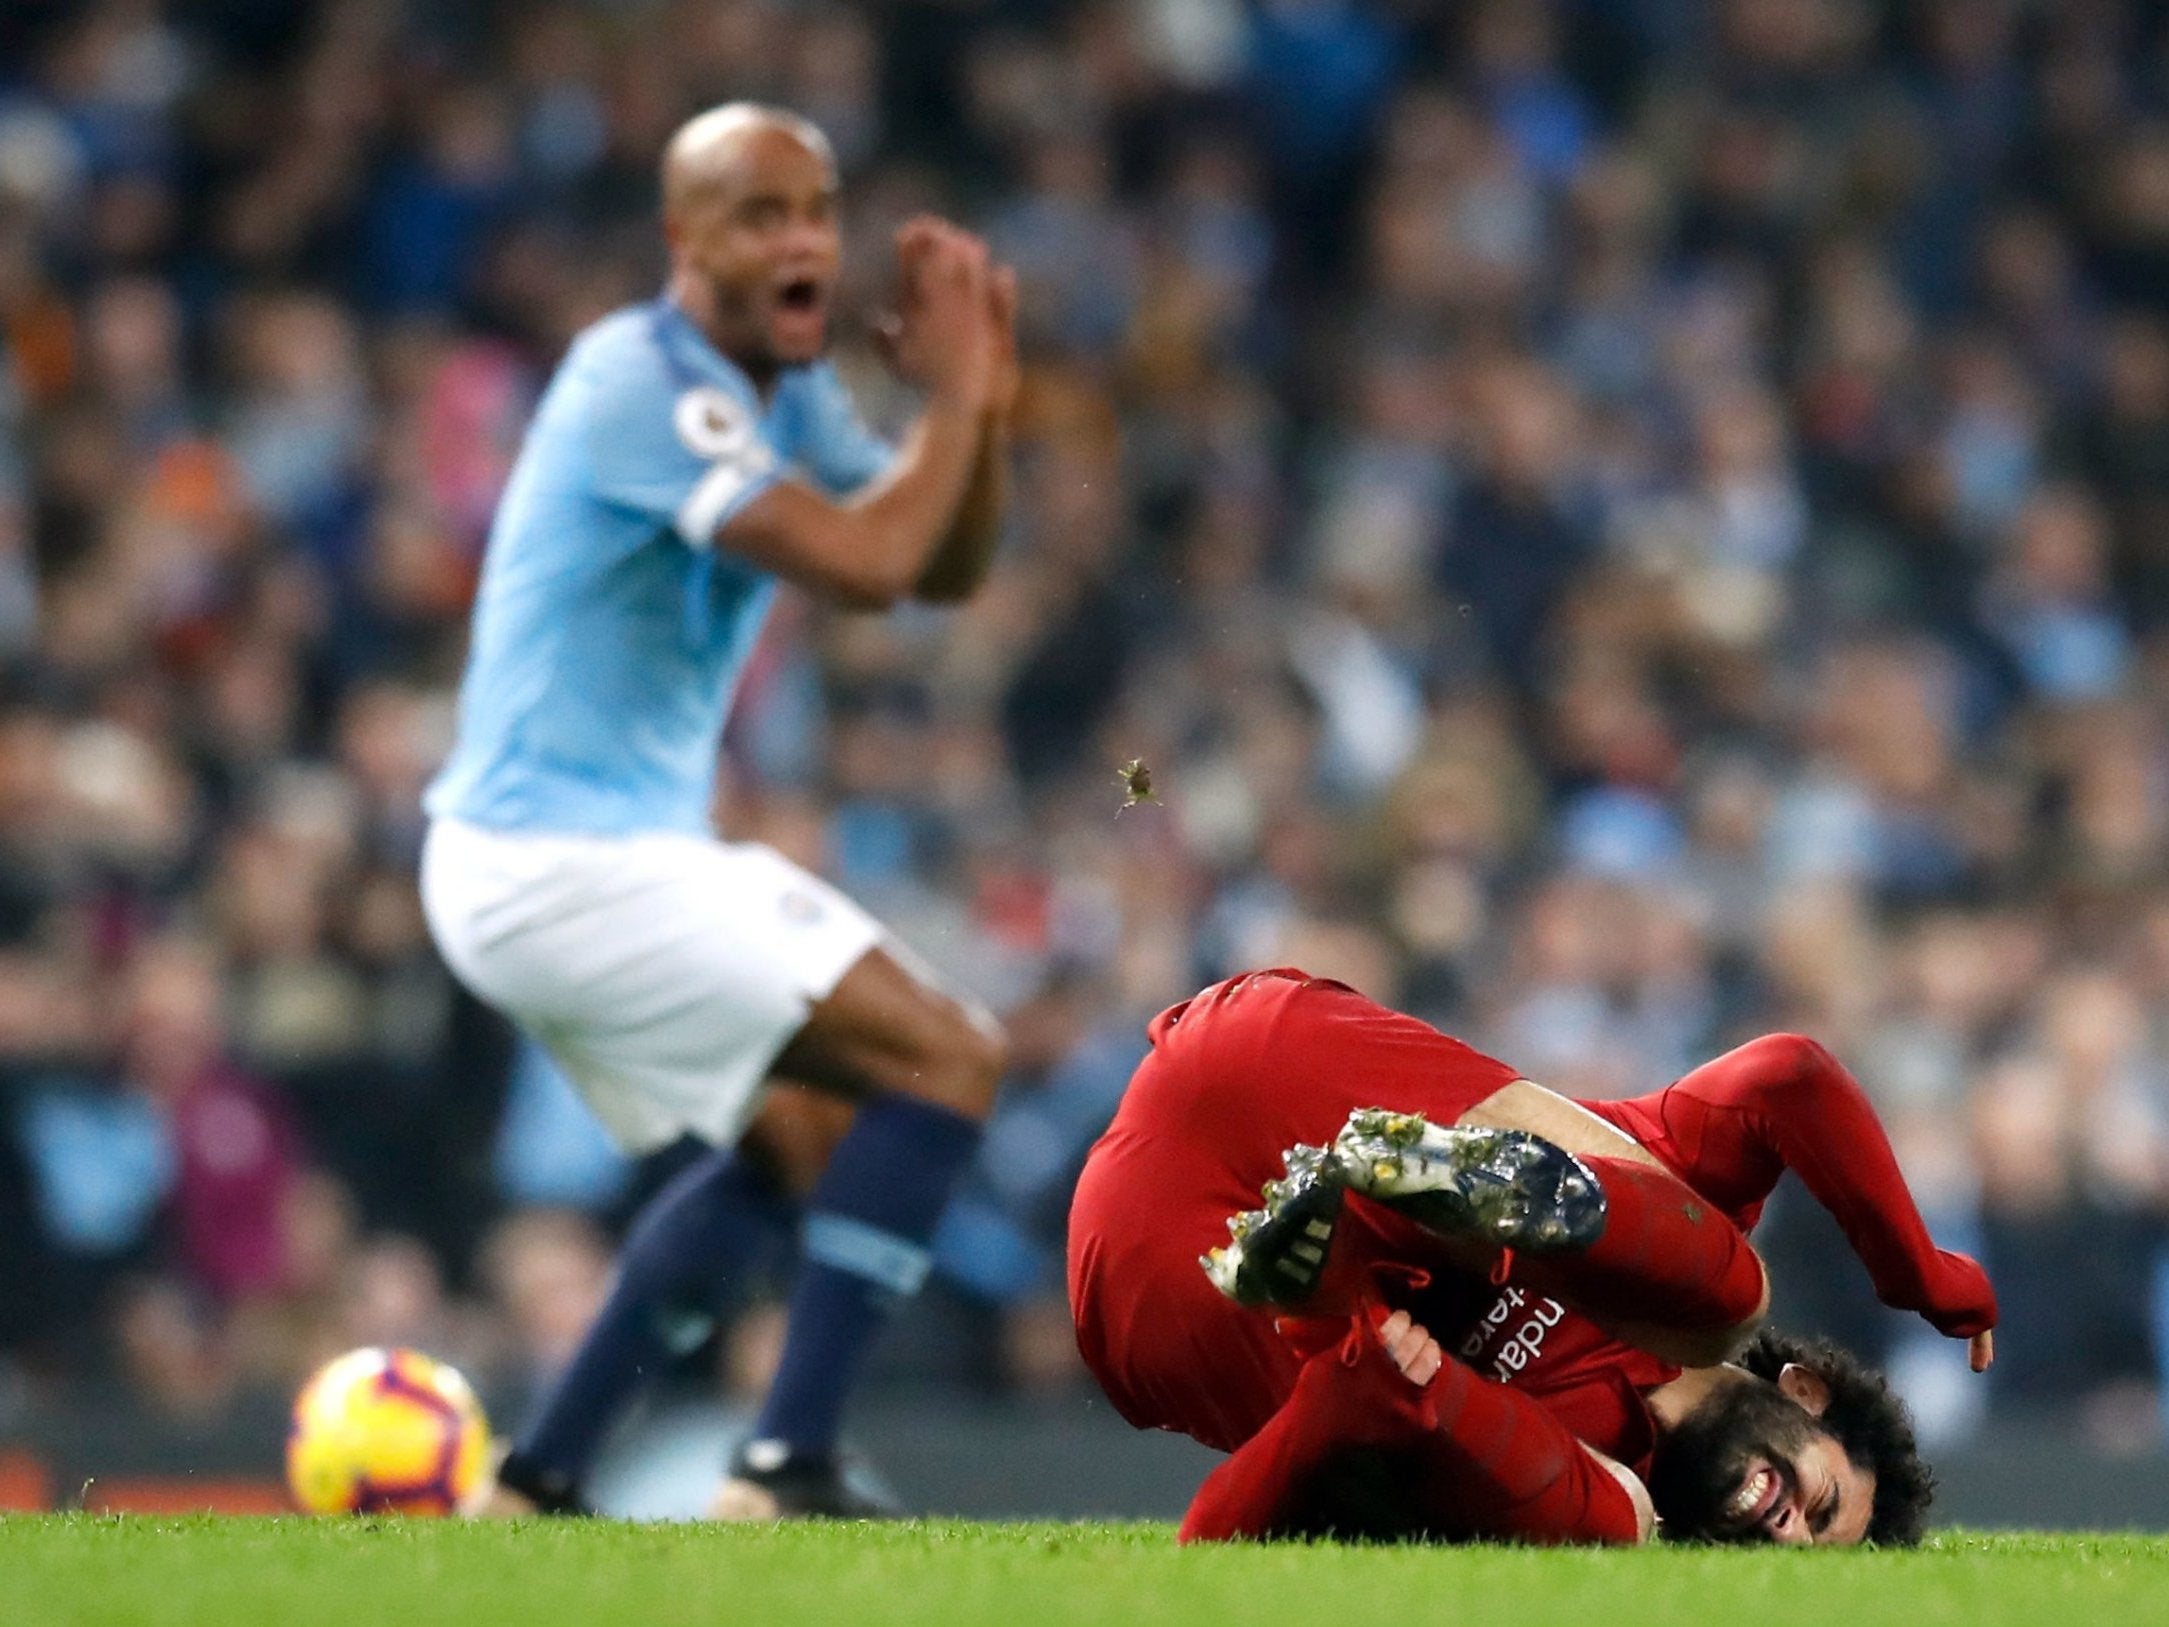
<point x="712" y="424"/>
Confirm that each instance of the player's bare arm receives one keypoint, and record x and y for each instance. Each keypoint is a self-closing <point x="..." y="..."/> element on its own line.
<point x="750" y="215"/>
<point x="964" y="556"/>
<point x="883" y="545"/>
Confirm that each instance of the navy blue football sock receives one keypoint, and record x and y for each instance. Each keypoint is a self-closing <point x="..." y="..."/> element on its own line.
<point x="868" y="1228"/>
<point x="692" y="1241"/>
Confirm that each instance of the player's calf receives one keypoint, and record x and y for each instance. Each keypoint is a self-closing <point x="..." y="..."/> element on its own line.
<point x="520" y="1488"/>
<point x="766" y="1484"/>
<point x="1670" y="1274"/>
<point x="922" y="1070"/>
<point x="1616" y="1239"/>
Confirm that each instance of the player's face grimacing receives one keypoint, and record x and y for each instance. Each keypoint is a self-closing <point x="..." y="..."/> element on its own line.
<point x="1754" y="1465"/>
<point x="761" y="242"/>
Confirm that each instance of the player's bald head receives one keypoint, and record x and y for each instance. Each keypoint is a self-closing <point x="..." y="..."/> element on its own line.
<point x="749" y="213"/>
<point x="715" y="153"/>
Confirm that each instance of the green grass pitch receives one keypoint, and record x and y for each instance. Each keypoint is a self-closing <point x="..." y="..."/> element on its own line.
<point x="116" y="1572"/>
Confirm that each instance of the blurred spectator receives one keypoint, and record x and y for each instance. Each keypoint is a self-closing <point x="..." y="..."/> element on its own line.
<point x="232" y="1149"/>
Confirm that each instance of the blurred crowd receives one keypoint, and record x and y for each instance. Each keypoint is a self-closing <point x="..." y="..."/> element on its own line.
<point x="1614" y="524"/>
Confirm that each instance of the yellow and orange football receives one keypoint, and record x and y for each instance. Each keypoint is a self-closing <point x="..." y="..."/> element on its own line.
<point x="385" y="1432"/>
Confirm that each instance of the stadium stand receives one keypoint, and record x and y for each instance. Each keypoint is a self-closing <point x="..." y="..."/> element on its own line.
<point x="1614" y="526"/>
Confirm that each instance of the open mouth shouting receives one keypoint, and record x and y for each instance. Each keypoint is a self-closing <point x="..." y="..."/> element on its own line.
<point x="798" y="315"/>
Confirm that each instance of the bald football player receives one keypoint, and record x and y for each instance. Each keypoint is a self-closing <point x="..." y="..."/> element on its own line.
<point x="690" y="454"/>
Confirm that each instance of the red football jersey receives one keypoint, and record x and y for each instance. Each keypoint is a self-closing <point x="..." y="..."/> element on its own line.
<point x="1236" y="1076"/>
<point x="1252" y="1066"/>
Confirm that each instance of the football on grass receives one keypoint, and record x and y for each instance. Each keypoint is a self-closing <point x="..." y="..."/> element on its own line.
<point x="385" y="1432"/>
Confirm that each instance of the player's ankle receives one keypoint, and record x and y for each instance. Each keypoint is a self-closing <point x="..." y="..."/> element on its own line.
<point x="492" y="1501"/>
<point x="543" y="1489"/>
<point x="771" y="1479"/>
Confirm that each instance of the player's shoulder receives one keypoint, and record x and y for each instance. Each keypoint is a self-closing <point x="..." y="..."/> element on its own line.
<point x="641" y="379"/>
<point x="625" y="347"/>
<point x="651" y="347"/>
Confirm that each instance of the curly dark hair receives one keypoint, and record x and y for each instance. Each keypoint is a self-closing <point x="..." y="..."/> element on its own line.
<point x="1869" y="1421"/>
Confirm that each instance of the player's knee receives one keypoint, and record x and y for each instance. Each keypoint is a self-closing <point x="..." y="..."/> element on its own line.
<point x="982" y="1053"/>
<point x="962" y="1061"/>
<point x="1794" y="1059"/>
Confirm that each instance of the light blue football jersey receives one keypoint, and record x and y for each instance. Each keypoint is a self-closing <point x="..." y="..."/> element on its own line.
<point x="609" y="632"/>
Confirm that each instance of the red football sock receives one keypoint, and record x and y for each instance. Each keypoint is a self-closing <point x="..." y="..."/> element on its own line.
<point x="1466" y="1458"/>
<point x="1667" y="1257"/>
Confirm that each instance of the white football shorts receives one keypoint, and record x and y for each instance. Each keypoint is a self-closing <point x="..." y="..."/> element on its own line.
<point x="663" y="971"/>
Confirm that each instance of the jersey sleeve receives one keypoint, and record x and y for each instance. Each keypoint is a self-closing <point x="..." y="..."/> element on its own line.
<point x="1734" y="1125"/>
<point x="836" y="448"/>
<point x="1359" y="1451"/>
<point x="685" y="454"/>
